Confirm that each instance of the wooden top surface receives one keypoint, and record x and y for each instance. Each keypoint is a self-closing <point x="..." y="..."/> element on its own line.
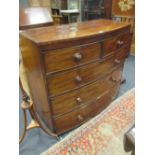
<point x="34" y="17"/>
<point x="47" y="35"/>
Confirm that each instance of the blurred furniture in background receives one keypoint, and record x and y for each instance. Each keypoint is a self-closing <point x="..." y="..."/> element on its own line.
<point x="96" y="9"/>
<point x="66" y="9"/>
<point x="93" y="9"/>
<point x="39" y="3"/>
<point x="69" y="11"/>
<point x="123" y="7"/>
<point x="129" y="140"/>
<point x="71" y="14"/>
<point x="59" y="19"/>
<point x="58" y="16"/>
<point x="57" y="5"/>
<point x="124" y="11"/>
<point x="131" y="135"/>
<point x="75" y="10"/>
<point x="34" y="17"/>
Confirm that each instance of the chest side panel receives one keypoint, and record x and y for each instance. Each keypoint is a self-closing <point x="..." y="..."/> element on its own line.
<point x="34" y="72"/>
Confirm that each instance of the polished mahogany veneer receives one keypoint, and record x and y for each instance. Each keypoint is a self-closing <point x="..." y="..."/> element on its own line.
<point x="74" y="71"/>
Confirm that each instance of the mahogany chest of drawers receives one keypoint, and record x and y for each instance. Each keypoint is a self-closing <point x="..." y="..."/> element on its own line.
<point x="74" y="71"/>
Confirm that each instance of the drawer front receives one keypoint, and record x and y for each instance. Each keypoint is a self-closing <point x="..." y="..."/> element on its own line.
<point x="62" y="59"/>
<point x="69" y="80"/>
<point x="121" y="54"/>
<point x="82" y="114"/>
<point x="67" y="102"/>
<point x="114" y="90"/>
<point x="114" y="43"/>
<point x="85" y="95"/>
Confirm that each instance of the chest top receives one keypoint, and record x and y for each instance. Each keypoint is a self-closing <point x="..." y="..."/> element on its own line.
<point x="75" y="31"/>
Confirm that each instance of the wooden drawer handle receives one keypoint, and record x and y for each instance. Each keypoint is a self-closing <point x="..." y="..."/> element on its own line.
<point x="77" y="57"/>
<point x="116" y="61"/>
<point x="78" y="100"/>
<point x="80" y="118"/>
<point x="120" y="42"/>
<point x="78" y="79"/>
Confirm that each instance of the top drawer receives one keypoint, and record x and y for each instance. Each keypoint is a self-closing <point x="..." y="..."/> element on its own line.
<point x="114" y="43"/>
<point x="62" y="59"/>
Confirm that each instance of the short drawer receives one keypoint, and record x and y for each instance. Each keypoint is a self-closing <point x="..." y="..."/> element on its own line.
<point x="79" y="116"/>
<point x="121" y="54"/>
<point x="63" y="59"/>
<point x="113" y="79"/>
<point x="85" y="95"/>
<point x="68" y="80"/>
<point x="112" y="44"/>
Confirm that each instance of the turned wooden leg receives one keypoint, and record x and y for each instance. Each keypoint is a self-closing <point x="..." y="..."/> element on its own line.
<point x="25" y="105"/>
<point x="35" y="123"/>
<point x="25" y="124"/>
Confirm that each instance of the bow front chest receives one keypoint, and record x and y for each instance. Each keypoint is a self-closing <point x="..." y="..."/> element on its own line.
<point x="73" y="71"/>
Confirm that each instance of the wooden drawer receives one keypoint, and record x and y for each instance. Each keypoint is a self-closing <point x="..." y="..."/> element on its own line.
<point x="114" y="90"/>
<point x="113" y="79"/>
<point x="67" y="102"/>
<point x="78" y="116"/>
<point x="121" y="54"/>
<point x="85" y="95"/>
<point x="112" y="44"/>
<point x="62" y="59"/>
<point x="69" y="80"/>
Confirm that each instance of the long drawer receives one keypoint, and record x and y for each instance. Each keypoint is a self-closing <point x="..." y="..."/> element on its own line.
<point x="114" y="43"/>
<point x="82" y="114"/>
<point x="114" y="91"/>
<point x="69" y="80"/>
<point x="86" y="94"/>
<point x="63" y="59"/>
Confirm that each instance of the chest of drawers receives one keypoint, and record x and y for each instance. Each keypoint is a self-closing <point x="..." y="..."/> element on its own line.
<point x="74" y="71"/>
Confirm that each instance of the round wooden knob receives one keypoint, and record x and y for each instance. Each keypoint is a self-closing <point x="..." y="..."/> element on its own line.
<point x="117" y="61"/>
<point x="80" y="118"/>
<point x="78" y="79"/>
<point x="78" y="100"/>
<point x="113" y="79"/>
<point x="119" y="42"/>
<point x="116" y="76"/>
<point x="77" y="56"/>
